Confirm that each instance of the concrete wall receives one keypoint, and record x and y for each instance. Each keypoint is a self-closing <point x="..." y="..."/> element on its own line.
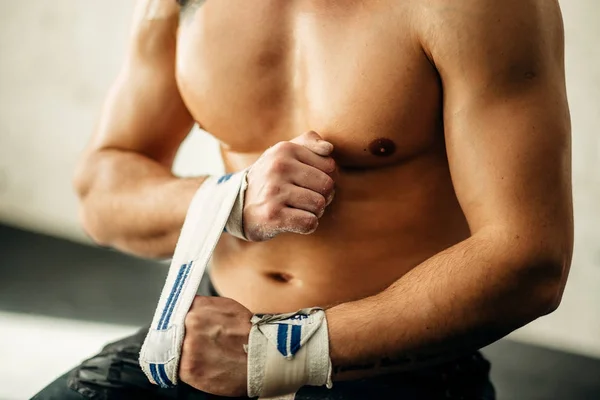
<point x="58" y="58"/>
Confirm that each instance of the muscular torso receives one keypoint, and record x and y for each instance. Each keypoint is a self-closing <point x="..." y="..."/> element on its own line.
<point x="256" y="73"/>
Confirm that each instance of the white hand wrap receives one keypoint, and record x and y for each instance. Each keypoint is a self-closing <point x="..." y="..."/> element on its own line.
<point x="235" y="223"/>
<point x="288" y="351"/>
<point x="285" y="352"/>
<point x="209" y="212"/>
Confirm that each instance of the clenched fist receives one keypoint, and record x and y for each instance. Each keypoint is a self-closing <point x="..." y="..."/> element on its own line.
<point x="213" y="359"/>
<point x="289" y="187"/>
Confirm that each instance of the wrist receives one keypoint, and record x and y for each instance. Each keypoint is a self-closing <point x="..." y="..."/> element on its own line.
<point x="339" y="337"/>
<point x="288" y="351"/>
<point x="185" y="189"/>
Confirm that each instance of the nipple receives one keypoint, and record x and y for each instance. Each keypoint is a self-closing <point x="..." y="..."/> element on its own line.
<point x="382" y="147"/>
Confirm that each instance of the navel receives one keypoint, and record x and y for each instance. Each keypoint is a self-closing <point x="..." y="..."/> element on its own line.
<point x="281" y="277"/>
<point x="382" y="147"/>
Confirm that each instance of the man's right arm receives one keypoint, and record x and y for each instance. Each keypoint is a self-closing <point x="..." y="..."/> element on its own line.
<point x="129" y="198"/>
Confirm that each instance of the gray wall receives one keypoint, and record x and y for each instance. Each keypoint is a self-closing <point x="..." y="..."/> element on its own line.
<point x="58" y="58"/>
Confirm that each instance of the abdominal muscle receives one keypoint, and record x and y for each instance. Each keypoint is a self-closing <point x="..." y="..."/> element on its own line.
<point x="382" y="223"/>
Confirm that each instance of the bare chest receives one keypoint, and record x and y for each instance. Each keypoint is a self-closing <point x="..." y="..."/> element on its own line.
<point x="255" y="73"/>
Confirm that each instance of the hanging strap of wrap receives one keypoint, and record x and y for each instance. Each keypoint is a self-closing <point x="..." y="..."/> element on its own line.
<point x="206" y="219"/>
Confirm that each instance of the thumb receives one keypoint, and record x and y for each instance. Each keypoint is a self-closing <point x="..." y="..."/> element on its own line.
<point x="315" y="143"/>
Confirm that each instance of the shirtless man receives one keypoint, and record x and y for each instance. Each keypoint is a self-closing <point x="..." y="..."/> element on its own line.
<point x="442" y="133"/>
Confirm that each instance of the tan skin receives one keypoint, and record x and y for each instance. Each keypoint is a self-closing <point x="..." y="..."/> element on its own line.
<point x="451" y="223"/>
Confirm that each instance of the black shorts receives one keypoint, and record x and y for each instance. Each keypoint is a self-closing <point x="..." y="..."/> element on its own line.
<point x="115" y="374"/>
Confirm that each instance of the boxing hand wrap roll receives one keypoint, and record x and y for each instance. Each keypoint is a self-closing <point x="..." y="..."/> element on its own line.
<point x="209" y="212"/>
<point x="286" y="352"/>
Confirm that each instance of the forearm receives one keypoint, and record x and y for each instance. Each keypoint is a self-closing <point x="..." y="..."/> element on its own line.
<point x="457" y="301"/>
<point x="133" y="203"/>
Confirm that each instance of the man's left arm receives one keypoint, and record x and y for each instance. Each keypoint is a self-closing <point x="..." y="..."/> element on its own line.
<point x="507" y="130"/>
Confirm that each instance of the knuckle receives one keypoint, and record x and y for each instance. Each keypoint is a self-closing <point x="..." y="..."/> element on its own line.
<point x="311" y="135"/>
<point x="270" y="212"/>
<point x="191" y="320"/>
<point x="200" y="302"/>
<point x="197" y="313"/>
<point x="272" y="190"/>
<point x="189" y="370"/>
<point x="279" y="165"/>
<point x="283" y="147"/>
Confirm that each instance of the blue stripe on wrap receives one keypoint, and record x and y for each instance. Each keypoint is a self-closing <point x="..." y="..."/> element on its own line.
<point x="177" y="292"/>
<point x="295" y="342"/>
<point x="224" y="178"/>
<point x="170" y="299"/>
<point x="163" y="375"/>
<point x="155" y="376"/>
<point x="282" y="330"/>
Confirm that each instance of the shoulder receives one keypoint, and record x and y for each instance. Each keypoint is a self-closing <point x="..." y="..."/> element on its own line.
<point x="487" y="13"/>
<point x="496" y="37"/>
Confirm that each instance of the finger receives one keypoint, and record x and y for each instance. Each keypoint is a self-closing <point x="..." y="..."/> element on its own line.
<point x="315" y="143"/>
<point x="298" y="221"/>
<point x="305" y="156"/>
<point x="313" y="179"/>
<point x="307" y="200"/>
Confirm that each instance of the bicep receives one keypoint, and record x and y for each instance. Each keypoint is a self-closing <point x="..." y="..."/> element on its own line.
<point x="510" y="158"/>
<point x="144" y="111"/>
<point x="506" y="116"/>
